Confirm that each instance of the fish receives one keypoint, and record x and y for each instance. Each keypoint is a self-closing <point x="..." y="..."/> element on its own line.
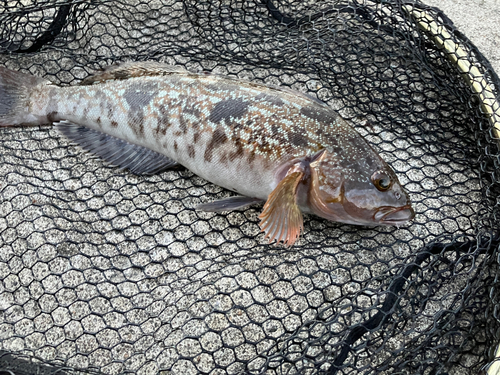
<point x="268" y="144"/>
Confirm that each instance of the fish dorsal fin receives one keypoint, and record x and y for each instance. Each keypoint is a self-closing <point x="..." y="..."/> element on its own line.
<point x="131" y="70"/>
<point x="273" y="89"/>
<point x="116" y="151"/>
<point x="281" y="219"/>
<point x="228" y="204"/>
<point x="302" y="94"/>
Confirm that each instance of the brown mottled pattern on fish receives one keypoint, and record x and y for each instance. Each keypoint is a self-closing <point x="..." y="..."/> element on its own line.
<point x="223" y="122"/>
<point x="244" y="136"/>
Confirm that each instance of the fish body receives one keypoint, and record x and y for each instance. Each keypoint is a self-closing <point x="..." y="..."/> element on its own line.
<point x="265" y="143"/>
<point x="236" y="134"/>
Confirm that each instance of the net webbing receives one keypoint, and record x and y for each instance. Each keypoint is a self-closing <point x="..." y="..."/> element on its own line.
<point x="109" y="272"/>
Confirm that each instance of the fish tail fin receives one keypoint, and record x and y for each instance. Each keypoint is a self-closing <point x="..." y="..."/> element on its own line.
<point x="15" y="89"/>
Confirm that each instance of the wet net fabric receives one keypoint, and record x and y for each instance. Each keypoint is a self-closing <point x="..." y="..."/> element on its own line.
<point x="104" y="271"/>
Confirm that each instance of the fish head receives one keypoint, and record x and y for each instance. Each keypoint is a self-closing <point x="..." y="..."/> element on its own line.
<point x="361" y="191"/>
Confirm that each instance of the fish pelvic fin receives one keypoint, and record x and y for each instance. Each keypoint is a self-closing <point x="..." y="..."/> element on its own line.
<point x="281" y="219"/>
<point x="15" y="90"/>
<point x="131" y="70"/>
<point x="228" y="204"/>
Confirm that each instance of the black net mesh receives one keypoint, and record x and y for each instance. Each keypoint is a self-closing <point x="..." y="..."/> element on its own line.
<point x="105" y="271"/>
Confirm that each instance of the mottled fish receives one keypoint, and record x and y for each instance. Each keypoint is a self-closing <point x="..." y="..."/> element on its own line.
<point x="265" y="143"/>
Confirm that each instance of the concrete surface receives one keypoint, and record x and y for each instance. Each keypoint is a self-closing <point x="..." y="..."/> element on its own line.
<point x="88" y="247"/>
<point x="479" y="20"/>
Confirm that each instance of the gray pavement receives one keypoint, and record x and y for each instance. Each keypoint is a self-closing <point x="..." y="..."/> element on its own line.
<point x="479" y="20"/>
<point x="110" y="249"/>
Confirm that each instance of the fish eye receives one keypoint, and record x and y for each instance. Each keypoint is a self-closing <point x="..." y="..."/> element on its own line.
<point x="381" y="181"/>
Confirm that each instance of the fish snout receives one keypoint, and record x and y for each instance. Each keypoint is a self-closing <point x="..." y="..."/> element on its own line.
<point x="394" y="215"/>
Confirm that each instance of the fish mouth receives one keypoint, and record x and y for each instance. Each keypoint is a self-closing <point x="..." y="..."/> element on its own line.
<point x="394" y="215"/>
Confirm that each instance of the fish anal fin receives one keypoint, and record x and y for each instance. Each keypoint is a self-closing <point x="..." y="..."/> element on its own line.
<point x="281" y="219"/>
<point x="131" y="70"/>
<point x="228" y="204"/>
<point x="137" y="159"/>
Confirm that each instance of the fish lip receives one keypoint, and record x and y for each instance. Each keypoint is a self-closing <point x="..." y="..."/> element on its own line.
<point x="394" y="215"/>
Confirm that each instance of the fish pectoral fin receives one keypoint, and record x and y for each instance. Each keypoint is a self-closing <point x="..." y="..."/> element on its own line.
<point x="228" y="204"/>
<point x="131" y="70"/>
<point x="137" y="159"/>
<point x="281" y="219"/>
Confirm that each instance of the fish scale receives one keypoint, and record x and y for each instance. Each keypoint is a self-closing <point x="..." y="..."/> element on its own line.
<point x="264" y="142"/>
<point x="253" y="130"/>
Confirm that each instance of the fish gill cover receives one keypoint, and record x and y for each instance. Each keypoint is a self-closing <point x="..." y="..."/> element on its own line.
<point x="104" y="271"/>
